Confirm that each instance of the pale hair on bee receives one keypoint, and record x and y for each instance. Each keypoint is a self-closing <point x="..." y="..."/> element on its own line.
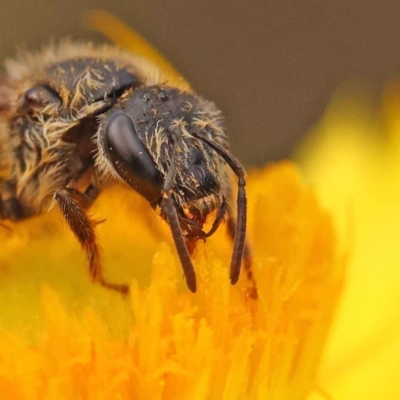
<point x="76" y="117"/>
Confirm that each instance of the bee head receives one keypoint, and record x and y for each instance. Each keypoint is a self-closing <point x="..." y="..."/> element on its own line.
<point x="138" y="137"/>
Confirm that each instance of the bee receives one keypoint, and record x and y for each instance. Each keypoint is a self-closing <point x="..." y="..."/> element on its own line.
<point x="76" y="117"/>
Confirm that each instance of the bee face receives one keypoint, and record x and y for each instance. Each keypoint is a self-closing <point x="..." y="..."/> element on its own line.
<point x="137" y="139"/>
<point x="91" y="116"/>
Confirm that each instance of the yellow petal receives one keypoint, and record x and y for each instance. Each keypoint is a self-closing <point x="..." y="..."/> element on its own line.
<point x="352" y="158"/>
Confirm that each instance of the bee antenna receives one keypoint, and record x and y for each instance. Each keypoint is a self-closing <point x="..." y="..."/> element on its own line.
<point x="240" y="233"/>
<point x="172" y="218"/>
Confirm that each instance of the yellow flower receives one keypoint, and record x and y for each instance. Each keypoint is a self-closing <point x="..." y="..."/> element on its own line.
<point x="353" y="159"/>
<point x="62" y="336"/>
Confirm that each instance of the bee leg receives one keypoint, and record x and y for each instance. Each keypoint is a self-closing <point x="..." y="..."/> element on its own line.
<point x="4" y="226"/>
<point x="10" y="207"/>
<point x="72" y="204"/>
<point x="247" y="258"/>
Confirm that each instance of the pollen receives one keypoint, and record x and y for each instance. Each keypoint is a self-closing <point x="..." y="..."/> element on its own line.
<point x="62" y="336"/>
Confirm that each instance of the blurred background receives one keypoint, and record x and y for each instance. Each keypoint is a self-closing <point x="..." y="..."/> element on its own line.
<point x="272" y="66"/>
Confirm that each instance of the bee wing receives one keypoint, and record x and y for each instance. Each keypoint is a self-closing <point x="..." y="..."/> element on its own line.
<point x="122" y="35"/>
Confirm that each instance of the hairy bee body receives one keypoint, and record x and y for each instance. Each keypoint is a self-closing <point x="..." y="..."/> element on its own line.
<point x="46" y="146"/>
<point x="77" y="117"/>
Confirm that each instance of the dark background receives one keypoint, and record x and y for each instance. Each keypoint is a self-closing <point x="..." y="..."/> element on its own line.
<point x="272" y="66"/>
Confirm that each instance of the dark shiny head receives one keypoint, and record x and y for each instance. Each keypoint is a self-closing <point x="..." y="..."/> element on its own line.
<point x="137" y="137"/>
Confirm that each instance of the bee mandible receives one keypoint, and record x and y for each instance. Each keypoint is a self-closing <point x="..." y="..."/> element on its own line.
<point x="77" y="117"/>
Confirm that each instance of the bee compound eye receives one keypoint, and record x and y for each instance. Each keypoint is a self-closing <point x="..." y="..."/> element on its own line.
<point x="40" y="96"/>
<point x="129" y="157"/>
